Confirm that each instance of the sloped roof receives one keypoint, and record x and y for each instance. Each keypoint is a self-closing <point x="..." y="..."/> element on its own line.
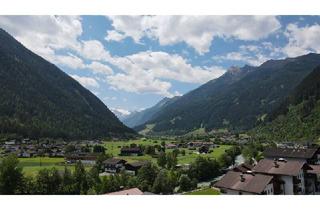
<point x="113" y="161"/>
<point x="290" y="152"/>
<point x="285" y="167"/>
<point x="315" y="169"/>
<point x="253" y="183"/>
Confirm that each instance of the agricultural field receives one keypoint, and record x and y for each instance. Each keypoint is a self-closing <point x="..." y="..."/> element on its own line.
<point x="32" y="165"/>
<point x="207" y="191"/>
<point x="113" y="148"/>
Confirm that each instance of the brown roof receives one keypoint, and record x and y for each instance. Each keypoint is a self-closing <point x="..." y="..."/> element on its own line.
<point x="244" y="167"/>
<point x="138" y="163"/>
<point x="284" y="167"/>
<point x="315" y="169"/>
<point x="253" y="183"/>
<point x="290" y="152"/>
<point x="132" y="191"/>
<point x="113" y="161"/>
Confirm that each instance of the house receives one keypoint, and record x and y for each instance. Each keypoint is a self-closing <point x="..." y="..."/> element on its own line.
<point x="288" y="174"/>
<point x="85" y="159"/>
<point x="170" y="146"/>
<point x="309" y="155"/>
<point x="127" y="151"/>
<point x="248" y="183"/>
<point x="244" y="167"/>
<point x="132" y="191"/>
<point x="114" y="165"/>
<point x="132" y="168"/>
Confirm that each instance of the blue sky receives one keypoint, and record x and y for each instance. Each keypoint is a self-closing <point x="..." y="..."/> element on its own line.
<point x="132" y="62"/>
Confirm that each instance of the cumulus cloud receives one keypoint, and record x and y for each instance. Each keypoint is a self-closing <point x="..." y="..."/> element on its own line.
<point x="113" y="35"/>
<point x="253" y="55"/>
<point x="44" y="34"/>
<point x="100" y="68"/>
<point x="148" y="71"/>
<point x="86" y="81"/>
<point x="302" y="40"/>
<point x="196" y="31"/>
<point x="93" y="50"/>
<point x="120" y="112"/>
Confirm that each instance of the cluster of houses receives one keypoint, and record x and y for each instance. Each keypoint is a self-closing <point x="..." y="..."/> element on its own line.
<point x="26" y="148"/>
<point x="283" y="171"/>
<point x="115" y="165"/>
<point x="202" y="146"/>
<point x="32" y="148"/>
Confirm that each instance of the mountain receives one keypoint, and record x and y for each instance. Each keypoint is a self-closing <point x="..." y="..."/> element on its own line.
<point x="238" y="100"/>
<point x="297" y="118"/>
<point x="138" y="118"/>
<point x="37" y="99"/>
<point x="120" y="113"/>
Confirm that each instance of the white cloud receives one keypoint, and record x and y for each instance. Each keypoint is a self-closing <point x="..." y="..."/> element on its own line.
<point x="302" y="40"/>
<point x="196" y="31"/>
<point x="253" y="55"/>
<point x="70" y="61"/>
<point x="93" y="50"/>
<point x="113" y="35"/>
<point x="86" y="81"/>
<point x="120" y="112"/>
<point x="44" y="34"/>
<point x="97" y="68"/>
<point x="146" y="72"/>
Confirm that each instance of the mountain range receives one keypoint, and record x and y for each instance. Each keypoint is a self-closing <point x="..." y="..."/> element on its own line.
<point x="37" y="99"/>
<point x="239" y="100"/>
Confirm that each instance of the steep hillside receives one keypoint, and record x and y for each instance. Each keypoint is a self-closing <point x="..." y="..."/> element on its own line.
<point x="139" y="118"/>
<point x="237" y="101"/>
<point x="298" y="117"/>
<point x="39" y="100"/>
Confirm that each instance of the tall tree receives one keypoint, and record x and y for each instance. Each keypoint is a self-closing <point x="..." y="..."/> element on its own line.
<point x="10" y="175"/>
<point x="80" y="176"/>
<point x="162" y="159"/>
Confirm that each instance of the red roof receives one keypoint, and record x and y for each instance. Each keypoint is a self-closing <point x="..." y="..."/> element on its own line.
<point x="132" y="191"/>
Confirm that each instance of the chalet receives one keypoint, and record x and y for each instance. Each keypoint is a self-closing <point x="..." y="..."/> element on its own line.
<point x="244" y="167"/>
<point x="127" y="151"/>
<point x="248" y="183"/>
<point x="171" y="146"/>
<point x="132" y="168"/>
<point x="85" y="159"/>
<point x="289" y="175"/>
<point x="132" y="191"/>
<point x="309" y="155"/>
<point x="114" y="165"/>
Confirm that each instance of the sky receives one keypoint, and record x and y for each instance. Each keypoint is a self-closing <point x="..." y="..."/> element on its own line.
<point x="132" y="62"/>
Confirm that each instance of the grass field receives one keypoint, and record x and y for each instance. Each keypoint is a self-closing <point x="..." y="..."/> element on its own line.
<point x="208" y="191"/>
<point x="113" y="147"/>
<point x="32" y="165"/>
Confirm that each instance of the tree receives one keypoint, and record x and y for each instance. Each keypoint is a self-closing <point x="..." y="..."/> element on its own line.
<point x="185" y="183"/>
<point x="99" y="149"/>
<point x="204" y="169"/>
<point x="146" y="176"/>
<point x="10" y="175"/>
<point x="48" y="182"/>
<point x="171" y="160"/>
<point x="67" y="186"/>
<point x="162" y="159"/>
<point x="80" y="176"/>
<point x="162" y="184"/>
